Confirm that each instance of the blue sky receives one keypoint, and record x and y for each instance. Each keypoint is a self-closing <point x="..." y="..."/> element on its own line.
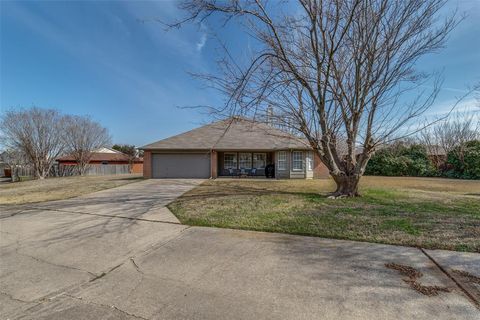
<point x="98" y="58"/>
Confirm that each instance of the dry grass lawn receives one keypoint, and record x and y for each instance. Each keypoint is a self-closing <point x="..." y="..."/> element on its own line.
<point x="59" y="188"/>
<point x="426" y="212"/>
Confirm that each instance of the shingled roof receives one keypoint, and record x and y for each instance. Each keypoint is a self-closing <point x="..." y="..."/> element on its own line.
<point x="231" y="134"/>
<point x="102" y="156"/>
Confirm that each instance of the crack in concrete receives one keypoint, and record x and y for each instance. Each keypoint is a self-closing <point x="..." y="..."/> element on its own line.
<point x="11" y="214"/>
<point x="94" y="277"/>
<point x="140" y="254"/>
<point x="54" y="264"/>
<point x="158" y="245"/>
<point x="28" y="210"/>
<point x="103" y="274"/>
<point x="15" y="299"/>
<point x="470" y="296"/>
<point x="136" y="265"/>
<point x="137" y="268"/>
<point x="107" y="306"/>
<point x="162" y="244"/>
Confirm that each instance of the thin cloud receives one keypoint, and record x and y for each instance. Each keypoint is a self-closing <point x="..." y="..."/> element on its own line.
<point x="449" y="89"/>
<point x="455" y="90"/>
<point x="466" y="105"/>
<point x="201" y="43"/>
<point x="203" y="38"/>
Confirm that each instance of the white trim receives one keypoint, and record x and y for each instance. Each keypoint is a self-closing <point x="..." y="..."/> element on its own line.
<point x="297" y="160"/>
<point x="264" y="160"/>
<point x="234" y="160"/>
<point x="250" y="159"/>
<point x="282" y="159"/>
<point x="310" y="161"/>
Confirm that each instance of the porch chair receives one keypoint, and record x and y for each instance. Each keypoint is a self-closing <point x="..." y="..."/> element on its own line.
<point x="243" y="173"/>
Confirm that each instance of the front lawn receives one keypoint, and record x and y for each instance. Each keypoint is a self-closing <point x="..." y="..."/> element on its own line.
<point x="427" y="212"/>
<point x="59" y="188"/>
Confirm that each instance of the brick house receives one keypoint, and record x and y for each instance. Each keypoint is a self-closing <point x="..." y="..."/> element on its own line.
<point x="106" y="156"/>
<point x="232" y="147"/>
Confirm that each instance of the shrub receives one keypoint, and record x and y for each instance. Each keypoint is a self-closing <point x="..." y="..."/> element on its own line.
<point x="400" y="160"/>
<point x="465" y="161"/>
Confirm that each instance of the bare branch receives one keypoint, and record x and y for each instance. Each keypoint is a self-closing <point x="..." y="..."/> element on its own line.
<point x="333" y="71"/>
<point x="82" y="136"/>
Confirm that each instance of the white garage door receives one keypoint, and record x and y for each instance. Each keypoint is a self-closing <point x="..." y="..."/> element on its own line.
<point x="181" y="165"/>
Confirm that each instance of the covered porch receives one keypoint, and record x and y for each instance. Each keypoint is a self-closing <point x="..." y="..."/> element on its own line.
<point x="245" y="164"/>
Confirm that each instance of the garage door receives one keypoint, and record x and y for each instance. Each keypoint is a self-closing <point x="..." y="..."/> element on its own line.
<point x="181" y="165"/>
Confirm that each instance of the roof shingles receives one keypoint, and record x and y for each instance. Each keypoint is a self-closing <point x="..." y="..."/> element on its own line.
<point x="102" y="156"/>
<point x="231" y="134"/>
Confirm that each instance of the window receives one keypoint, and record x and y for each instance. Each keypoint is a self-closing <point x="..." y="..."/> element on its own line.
<point x="282" y="160"/>
<point x="259" y="160"/>
<point x="310" y="161"/>
<point x="245" y="160"/>
<point x="230" y="161"/>
<point x="297" y="160"/>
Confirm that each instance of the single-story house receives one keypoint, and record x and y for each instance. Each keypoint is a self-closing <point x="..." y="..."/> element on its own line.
<point x="105" y="156"/>
<point x="232" y="147"/>
<point x="437" y="155"/>
<point x="4" y="170"/>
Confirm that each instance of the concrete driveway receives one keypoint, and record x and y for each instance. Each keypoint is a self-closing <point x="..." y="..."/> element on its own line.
<point x="119" y="254"/>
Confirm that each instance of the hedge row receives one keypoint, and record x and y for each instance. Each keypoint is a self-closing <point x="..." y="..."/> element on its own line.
<point x="412" y="160"/>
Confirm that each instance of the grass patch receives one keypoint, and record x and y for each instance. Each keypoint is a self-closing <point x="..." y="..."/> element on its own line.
<point x="402" y="225"/>
<point x="426" y="212"/>
<point x="59" y="188"/>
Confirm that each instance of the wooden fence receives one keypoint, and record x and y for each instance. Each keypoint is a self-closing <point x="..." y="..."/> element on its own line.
<point x="92" y="170"/>
<point x="107" y="169"/>
<point x="67" y="171"/>
<point x="25" y="171"/>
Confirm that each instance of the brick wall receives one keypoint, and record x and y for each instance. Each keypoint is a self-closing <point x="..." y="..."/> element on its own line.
<point x="319" y="169"/>
<point x="137" y="167"/>
<point x="213" y="164"/>
<point x="147" y="164"/>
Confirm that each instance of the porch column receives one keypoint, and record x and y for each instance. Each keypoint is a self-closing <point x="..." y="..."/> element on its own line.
<point x="213" y="164"/>
<point x="147" y="164"/>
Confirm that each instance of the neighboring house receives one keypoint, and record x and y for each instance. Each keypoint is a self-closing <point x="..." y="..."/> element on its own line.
<point x="231" y="147"/>
<point x="437" y="155"/>
<point x="4" y="167"/>
<point x="4" y="170"/>
<point x="105" y="156"/>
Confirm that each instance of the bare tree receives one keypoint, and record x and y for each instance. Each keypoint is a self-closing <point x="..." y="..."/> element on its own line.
<point x="37" y="133"/>
<point x="82" y="136"/>
<point x="456" y="131"/>
<point x="452" y="134"/>
<point x="334" y="70"/>
<point x="435" y="152"/>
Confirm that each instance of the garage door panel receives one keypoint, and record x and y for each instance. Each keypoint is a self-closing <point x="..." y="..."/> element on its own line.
<point x="180" y="165"/>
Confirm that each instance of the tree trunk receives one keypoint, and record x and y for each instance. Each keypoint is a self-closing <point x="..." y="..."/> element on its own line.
<point x="14" y="173"/>
<point x="347" y="185"/>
